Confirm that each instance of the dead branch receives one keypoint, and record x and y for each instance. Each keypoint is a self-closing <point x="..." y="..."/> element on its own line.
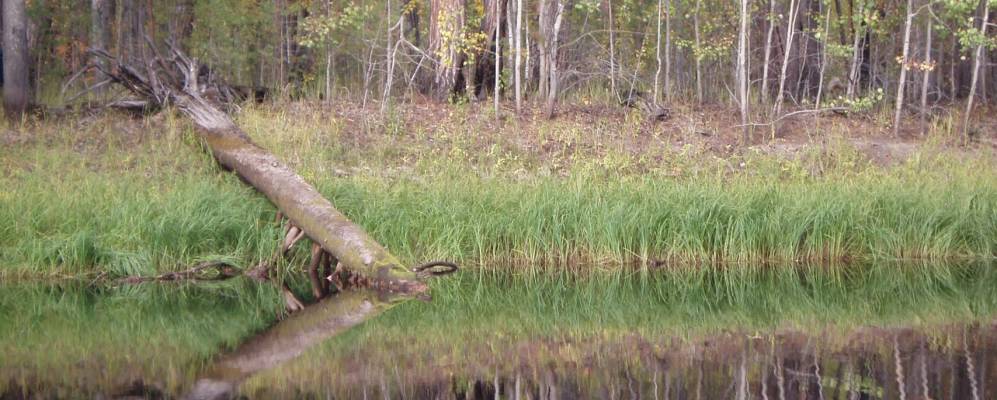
<point x="205" y="271"/>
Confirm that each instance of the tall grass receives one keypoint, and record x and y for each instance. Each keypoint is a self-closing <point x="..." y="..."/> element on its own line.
<point x="742" y="221"/>
<point x="103" y="197"/>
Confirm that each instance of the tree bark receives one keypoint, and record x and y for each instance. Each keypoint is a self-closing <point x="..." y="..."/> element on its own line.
<point x="181" y="26"/>
<point x="519" y="56"/>
<point x="612" y="49"/>
<point x="790" y="30"/>
<point x="101" y="21"/>
<point x="552" y="59"/>
<point x="446" y="29"/>
<point x="904" y="62"/>
<point x="926" y="74"/>
<point x="657" y="56"/>
<point x="16" y="88"/>
<point x="498" y="55"/>
<point x="823" y="58"/>
<point x="696" y="54"/>
<point x="668" y="50"/>
<point x="134" y="16"/>
<point x="768" y="52"/>
<point x="853" y="74"/>
<point x="977" y="58"/>
<point x="742" y="71"/>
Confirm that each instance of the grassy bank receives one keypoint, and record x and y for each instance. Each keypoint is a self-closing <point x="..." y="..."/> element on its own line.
<point x="137" y="197"/>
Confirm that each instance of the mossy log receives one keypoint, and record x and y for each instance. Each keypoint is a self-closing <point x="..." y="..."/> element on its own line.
<point x="174" y="82"/>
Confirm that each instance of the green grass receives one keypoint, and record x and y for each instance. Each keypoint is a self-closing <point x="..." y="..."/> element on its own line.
<point x="140" y="197"/>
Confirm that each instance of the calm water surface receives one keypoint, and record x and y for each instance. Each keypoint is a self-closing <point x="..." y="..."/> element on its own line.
<point x="924" y="333"/>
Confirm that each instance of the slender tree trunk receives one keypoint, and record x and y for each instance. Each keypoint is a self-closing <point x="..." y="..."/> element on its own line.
<point x="790" y="32"/>
<point x="953" y="61"/>
<point x="696" y="54"/>
<point x="545" y="22"/>
<point x="657" y="57"/>
<point x="853" y="74"/>
<point x="742" y="71"/>
<point x="926" y="74"/>
<point x="390" y="52"/>
<point x="977" y="58"/>
<point x="668" y="50"/>
<point x="498" y="66"/>
<point x="328" y="56"/>
<point x="823" y="57"/>
<point x="280" y="26"/>
<point x="519" y="57"/>
<point x="552" y="61"/>
<point x="510" y="59"/>
<point x="904" y="61"/>
<point x="101" y="21"/>
<point x="16" y="87"/>
<point x="527" y="59"/>
<point x="612" y="49"/>
<point x="768" y="53"/>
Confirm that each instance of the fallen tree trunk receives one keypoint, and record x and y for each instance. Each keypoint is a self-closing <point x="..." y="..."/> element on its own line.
<point x="174" y="82"/>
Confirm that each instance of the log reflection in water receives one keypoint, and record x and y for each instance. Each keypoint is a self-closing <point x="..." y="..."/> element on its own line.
<point x="289" y="339"/>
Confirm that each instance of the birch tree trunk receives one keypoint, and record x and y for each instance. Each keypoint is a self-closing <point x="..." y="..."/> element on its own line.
<point x="742" y="71"/>
<point x="904" y="61"/>
<point x="853" y="73"/>
<point x="389" y="58"/>
<point x="790" y="31"/>
<point x="977" y="58"/>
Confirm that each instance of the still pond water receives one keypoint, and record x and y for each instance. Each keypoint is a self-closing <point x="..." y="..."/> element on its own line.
<point x="859" y="332"/>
